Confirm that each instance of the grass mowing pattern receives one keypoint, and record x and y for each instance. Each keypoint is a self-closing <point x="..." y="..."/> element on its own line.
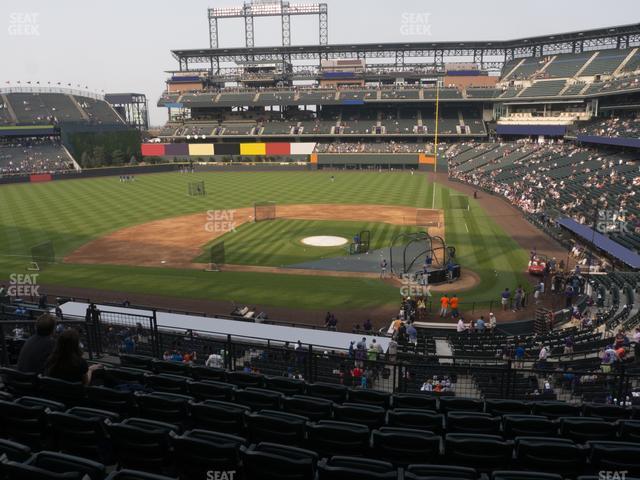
<point x="277" y="243"/>
<point x="70" y="213"/>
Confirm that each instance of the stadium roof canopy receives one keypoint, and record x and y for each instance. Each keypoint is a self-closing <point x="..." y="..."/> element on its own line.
<point x="604" y="243"/>
<point x="499" y="51"/>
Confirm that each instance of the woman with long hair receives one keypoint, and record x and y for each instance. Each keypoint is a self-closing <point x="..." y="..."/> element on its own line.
<point x="66" y="362"/>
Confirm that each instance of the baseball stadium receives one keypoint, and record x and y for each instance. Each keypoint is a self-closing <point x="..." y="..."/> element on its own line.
<point x="400" y="260"/>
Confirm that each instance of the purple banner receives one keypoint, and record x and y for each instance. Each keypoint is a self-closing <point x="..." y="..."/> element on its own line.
<point x="617" y="141"/>
<point x="547" y="130"/>
<point x="176" y="149"/>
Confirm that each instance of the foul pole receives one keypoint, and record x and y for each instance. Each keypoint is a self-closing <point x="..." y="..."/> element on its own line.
<point x="435" y="142"/>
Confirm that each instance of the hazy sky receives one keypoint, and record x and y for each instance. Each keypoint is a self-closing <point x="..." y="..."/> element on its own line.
<point x="124" y="45"/>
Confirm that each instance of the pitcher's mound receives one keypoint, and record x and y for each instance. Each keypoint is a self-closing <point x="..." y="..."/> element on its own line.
<point x="324" y="241"/>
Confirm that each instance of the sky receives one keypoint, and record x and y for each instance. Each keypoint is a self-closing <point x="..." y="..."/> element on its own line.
<point x="124" y="45"/>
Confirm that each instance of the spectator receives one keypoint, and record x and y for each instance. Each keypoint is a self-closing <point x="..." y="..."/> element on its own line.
<point x="461" y="327"/>
<point x="454" y="306"/>
<point x="505" y="298"/>
<point x="480" y="325"/>
<point x="367" y="326"/>
<point x="66" y="362"/>
<point x="542" y="356"/>
<point x="392" y="351"/>
<point x="374" y="351"/>
<point x="412" y="333"/>
<point x="519" y="356"/>
<point x="36" y="350"/>
<point x="215" y="360"/>
<point x="444" y="306"/>
<point x="493" y="322"/>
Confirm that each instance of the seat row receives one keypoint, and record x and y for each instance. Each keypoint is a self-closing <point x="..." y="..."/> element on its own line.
<point x="161" y="447"/>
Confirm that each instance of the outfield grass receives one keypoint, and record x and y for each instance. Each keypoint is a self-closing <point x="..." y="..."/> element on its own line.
<point x="278" y="243"/>
<point x="70" y="213"/>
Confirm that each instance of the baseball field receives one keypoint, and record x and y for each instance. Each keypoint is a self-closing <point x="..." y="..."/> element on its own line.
<point x="150" y="237"/>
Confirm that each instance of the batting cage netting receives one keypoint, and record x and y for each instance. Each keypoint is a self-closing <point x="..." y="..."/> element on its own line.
<point x="264" y="211"/>
<point x="42" y="255"/>
<point x="216" y="257"/>
<point x="196" y="189"/>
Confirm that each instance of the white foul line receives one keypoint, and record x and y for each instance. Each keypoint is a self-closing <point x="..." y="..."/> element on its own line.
<point x="465" y="226"/>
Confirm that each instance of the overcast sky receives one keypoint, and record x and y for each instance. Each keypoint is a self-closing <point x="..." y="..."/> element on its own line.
<point x="124" y="45"/>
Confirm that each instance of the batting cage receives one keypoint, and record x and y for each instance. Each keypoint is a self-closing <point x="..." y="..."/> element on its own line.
<point x="196" y="189"/>
<point x="361" y="243"/>
<point x="216" y="257"/>
<point x="411" y="251"/>
<point x="264" y="211"/>
<point x="42" y="255"/>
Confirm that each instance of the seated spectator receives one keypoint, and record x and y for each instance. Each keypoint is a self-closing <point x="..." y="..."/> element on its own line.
<point x="35" y="352"/>
<point x="66" y="362"/>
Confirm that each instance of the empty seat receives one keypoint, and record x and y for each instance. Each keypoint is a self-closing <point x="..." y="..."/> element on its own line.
<point x="219" y="416"/>
<point x="630" y="430"/>
<point x="498" y="407"/>
<point x="555" y="409"/>
<point x="205" y="373"/>
<point x="286" y="386"/>
<point x="164" y="407"/>
<point x="135" y="361"/>
<point x="516" y="475"/>
<point x="116" y="377"/>
<point x="259" y="398"/>
<point x="19" y="383"/>
<point x="110" y="399"/>
<point x="22" y="471"/>
<point x="167" y="383"/>
<point x="276" y="427"/>
<point x="127" y="474"/>
<point x="82" y="432"/>
<point x="61" y="463"/>
<point x="268" y="461"/>
<point x="414" y="400"/>
<point x="470" y="422"/>
<point x="311" y="407"/>
<point x="581" y="430"/>
<point x="24" y="423"/>
<point x="554" y="455"/>
<point x="370" y="397"/>
<point x="607" y="412"/>
<point x="614" y="456"/>
<point x="417" y="419"/>
<point x="403" y="446"/>
<point x="369" y="415"/>
<point x="142" y="444"/>
<point x="433" y="472"/>
<point x="460" y="404"/>
<point x="212" y="390"/>
<point x="171" y="368"/>
<point x="348" y="468"/>
<point x="482" y="452"/>
<point x="14" y="451"/>
<point x="244" y="380"/>
<point x="69" y="393"/>
<point x="528" y="426"/>
<point x="197" y="452"/>
<point x="335" y="393"/>
<point x="330" y="438"/>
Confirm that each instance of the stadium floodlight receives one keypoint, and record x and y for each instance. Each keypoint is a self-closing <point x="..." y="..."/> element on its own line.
<point x="269" y="8"/>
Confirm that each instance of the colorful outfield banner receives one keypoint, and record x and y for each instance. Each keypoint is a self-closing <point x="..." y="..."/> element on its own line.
<point x="210" y="149"/>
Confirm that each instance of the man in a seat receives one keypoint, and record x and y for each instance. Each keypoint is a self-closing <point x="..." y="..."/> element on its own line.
<point x="35" y="352"/>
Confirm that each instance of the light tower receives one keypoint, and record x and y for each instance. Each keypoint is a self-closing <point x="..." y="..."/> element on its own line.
<point x="269" y="8"/>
